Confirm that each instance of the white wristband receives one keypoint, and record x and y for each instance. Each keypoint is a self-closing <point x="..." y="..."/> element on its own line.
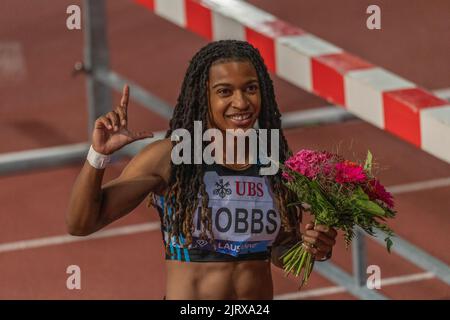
<point x="97" y="160"/>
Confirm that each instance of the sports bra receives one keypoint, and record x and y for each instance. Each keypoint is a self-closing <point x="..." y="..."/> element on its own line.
<point x="245" y="220"/>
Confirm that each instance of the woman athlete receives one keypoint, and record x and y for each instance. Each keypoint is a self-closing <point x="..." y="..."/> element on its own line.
<point x="222" y="224"/>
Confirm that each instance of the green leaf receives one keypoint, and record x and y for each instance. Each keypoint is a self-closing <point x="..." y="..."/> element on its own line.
<point x="368" y="163"/>
<point x="360" y="194"/>
<point x="389" y="244"/>
<point x="362" y="200"/>
<point x="371" y="207"/>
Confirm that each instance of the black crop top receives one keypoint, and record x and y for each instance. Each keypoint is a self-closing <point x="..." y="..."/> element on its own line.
<point x="245" y="220"/>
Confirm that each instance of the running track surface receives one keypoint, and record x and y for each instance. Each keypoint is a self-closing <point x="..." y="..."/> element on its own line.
<point x="42" y="106"/>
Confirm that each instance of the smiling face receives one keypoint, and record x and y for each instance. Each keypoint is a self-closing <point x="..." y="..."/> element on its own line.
<point x="234" y="95"/>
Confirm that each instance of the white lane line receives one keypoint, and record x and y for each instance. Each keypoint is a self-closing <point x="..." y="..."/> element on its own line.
<point x="419" y="186"/>
<point x="407" y="279"/>
<point x="56" y="240"/>
<point x="337" y="289"/>
<point x="310" y="293"/>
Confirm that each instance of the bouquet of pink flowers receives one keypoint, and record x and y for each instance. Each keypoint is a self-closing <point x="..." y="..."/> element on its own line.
<point x="339" y="194"/>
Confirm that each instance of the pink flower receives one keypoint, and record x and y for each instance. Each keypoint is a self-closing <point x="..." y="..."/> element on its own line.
<point x="377" y="191"/>
<point x="309" y="163"/>
<point x="287" y="176"/>
<point x="349" y="172"/>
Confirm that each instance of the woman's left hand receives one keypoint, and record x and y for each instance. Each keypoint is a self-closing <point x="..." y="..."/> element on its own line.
<point x="319" y="240"/>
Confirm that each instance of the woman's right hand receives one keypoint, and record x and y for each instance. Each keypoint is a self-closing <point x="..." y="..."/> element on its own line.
<point x="111" y="130"/>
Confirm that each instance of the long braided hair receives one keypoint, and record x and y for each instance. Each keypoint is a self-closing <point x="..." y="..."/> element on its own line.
<point x="186" y="180"/>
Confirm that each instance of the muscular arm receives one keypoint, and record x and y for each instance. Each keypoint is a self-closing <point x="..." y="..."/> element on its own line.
<point x="93" y="206"/>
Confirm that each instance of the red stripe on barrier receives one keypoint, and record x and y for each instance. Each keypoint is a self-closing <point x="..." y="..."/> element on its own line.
<point x="328" y="71"/>
<point x="264" y="39"/>
<point x="199" y="19"/>
<point x="327" y="82"/>
<point x="265" y="46"/>
<point x="402" y="112"/>
<point x="149" y="4"/>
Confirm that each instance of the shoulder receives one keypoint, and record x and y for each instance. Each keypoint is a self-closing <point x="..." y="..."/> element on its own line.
<point x="153" y="160"/>
<point x="159" y="149"/>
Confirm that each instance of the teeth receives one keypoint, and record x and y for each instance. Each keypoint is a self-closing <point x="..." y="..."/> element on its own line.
<point x="241" y="117"/>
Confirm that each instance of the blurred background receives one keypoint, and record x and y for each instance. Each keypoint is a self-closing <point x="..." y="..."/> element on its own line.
<point x="46" y="112"/>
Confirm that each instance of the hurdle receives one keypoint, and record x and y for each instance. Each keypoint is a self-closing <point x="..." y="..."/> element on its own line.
<point x="373" y="94"/>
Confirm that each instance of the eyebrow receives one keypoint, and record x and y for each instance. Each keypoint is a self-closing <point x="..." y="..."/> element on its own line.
<point x="227" y="84"/>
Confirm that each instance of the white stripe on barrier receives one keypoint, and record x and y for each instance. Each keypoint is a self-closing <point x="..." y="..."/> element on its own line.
<point x="226" y="28"/>
<point x="443" y="93"/>
<point x="364" y="92"/>
<point x="293" y="57"/>
<point x="310" y="45"/>
<point x="299" y="73"/>
<point x="172" y="10"/>
<point x="243" y="13"/>
<point x="435" y="135"/>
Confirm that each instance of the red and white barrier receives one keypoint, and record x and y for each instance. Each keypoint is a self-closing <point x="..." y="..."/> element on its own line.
<point x="315" y="65"/>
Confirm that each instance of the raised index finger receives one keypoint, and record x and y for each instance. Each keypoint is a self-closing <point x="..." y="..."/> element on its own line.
<point x="125" y="96"/>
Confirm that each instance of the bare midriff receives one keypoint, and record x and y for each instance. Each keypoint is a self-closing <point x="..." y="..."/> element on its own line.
<point x="219" y="280"/>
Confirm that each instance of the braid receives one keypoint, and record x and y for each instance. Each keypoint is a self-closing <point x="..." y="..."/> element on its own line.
<point x="270" y="118"/>
<point x="186" y="183"/>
